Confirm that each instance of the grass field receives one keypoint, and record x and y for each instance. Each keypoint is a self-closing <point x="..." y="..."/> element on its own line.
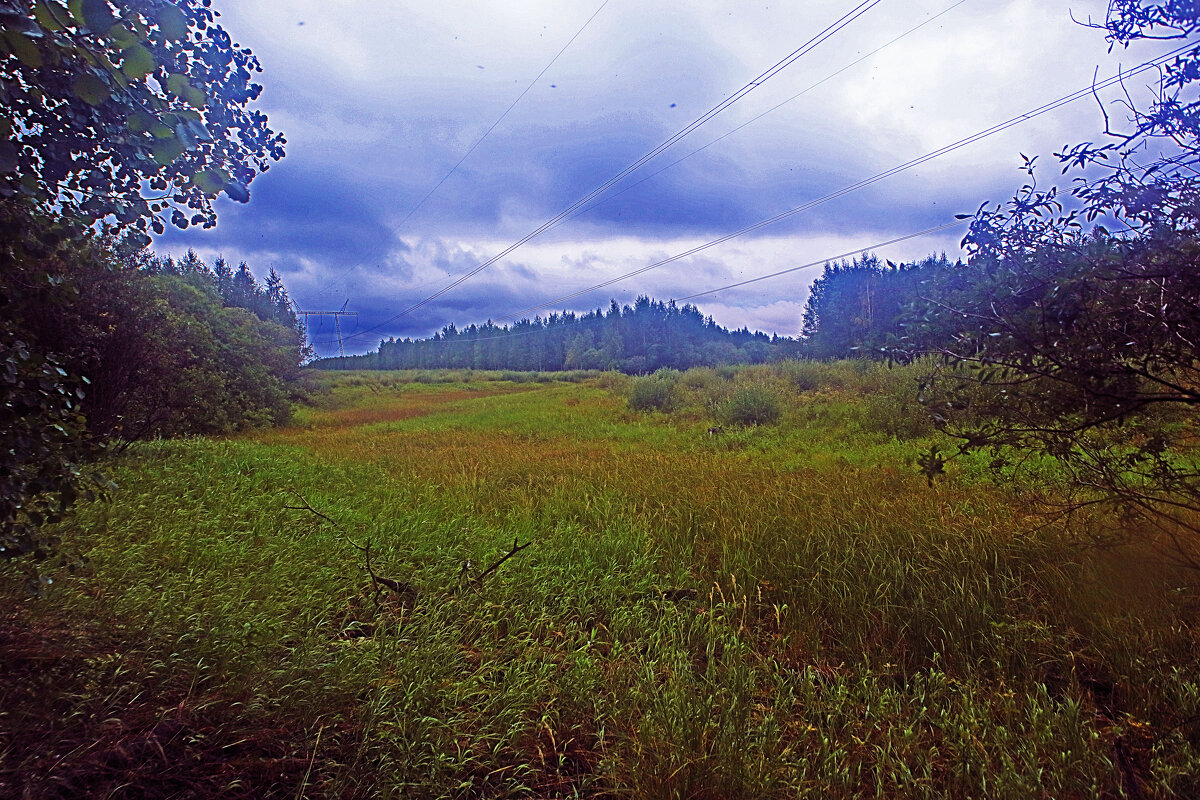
<point x="781" y="610"/>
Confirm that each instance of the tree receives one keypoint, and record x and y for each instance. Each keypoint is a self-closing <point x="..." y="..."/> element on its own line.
<point x="40" y="423"/>
<point x="856" y="308"/>
<point x="102" y="99"/>
<point x="114" y="118"/>
<point x="1080" y="345"/>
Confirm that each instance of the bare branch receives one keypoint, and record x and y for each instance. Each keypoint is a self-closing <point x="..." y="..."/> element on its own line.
<point x="478" y="579"/>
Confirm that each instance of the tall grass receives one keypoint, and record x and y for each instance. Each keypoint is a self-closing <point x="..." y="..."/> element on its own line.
<point x="781" y="610"/>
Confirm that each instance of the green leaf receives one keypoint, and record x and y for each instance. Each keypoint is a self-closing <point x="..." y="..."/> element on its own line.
<point x="167" y="150"/>
<point x="161" y="130"/>
<point x="24" y="48"/>
<point x="94" y="14"/>
<point x="194" y="97"/>
<point x="208" y="181"/>
<point x="172" y="22"/>
<point x="177" y="84"/>
<point x="139" y="122"/>
<point x="123" y="37"/>
<point x="51" y="16"/>
<point x="137" y="62"/>
<point x="90" y="90"/>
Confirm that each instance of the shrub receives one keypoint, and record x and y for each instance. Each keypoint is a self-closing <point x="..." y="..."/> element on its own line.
<point x="610" y="380"/>
<point x="726" y="371"/>
<point x="890" y="403"/>
<point x="700" y="378"/>
<point x="753" y="404"/>
<point x="653" y="392"/>
<point x="803" y="375"/>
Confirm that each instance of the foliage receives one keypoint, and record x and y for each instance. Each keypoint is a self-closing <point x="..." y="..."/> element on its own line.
<point x="39" y="476"/>
<point x="753" y="404"/>
<point x="214" y="369"/>
<point x="653" y="392"/>
<point x="1082" y="345"/>
<point x="40" y="422"/>
<point x="637" y="339"/>
<point x="98" y="352"/>
<point x="163" y="354"/>
<point x="856" y="308"/>
<point x="183" y="360"/>
<point x="1149" y="168"/>
<point x="103" y="104"/>
<point x="99" y="102"/>
<point x="1082" y="352"/>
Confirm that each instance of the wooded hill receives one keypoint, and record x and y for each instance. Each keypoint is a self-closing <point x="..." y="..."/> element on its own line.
<point x="635" y="339"/>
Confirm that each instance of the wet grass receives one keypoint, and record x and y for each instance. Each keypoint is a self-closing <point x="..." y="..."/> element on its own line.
<point x="785" y="610"/>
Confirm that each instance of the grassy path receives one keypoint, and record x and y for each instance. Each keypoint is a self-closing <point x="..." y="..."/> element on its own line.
<point x="785" y="611"/>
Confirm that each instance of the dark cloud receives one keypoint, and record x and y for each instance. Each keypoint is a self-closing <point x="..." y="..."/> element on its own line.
<point x="302" y="206"/>
<point x="379" y="102"/>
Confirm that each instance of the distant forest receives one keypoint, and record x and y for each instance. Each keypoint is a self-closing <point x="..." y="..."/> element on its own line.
<point x="634" y="339"/>
<point x="863" y="308"/>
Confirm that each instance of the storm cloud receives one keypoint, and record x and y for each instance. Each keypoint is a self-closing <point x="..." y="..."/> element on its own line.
<point x="380" y="101"/>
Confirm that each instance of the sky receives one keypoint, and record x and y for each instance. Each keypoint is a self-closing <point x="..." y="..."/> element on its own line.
<point x="380" y="101"/>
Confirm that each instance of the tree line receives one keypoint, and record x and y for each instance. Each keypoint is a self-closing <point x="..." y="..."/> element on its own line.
<point x="634" y="339"/>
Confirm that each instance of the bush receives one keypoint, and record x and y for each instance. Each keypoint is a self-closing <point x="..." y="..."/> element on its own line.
<point x="700" y="378"/>
<point x="654" y="392"/>
<point x="890" y="401"/>
<point x="803" y="375"/>
<point x="753" y="404"/>
<point x="726" y="371"/>
<point x="610" y="380"/>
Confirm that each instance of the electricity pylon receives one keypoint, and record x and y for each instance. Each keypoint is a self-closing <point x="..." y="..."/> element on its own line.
<point x="337" y="321"/>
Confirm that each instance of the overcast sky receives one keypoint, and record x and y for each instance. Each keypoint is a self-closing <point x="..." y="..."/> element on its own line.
<point x="380" y="100"/>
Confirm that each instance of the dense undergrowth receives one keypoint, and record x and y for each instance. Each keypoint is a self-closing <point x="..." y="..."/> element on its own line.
<point x="784" y="609"/>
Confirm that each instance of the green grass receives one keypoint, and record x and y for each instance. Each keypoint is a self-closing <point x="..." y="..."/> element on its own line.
<point x="780" y="610"/>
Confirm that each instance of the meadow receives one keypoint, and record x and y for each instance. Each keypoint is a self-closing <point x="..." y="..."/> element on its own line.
<point x="575" y="590"/>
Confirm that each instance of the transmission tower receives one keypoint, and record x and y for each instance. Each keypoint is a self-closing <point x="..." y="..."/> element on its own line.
<point x="337" y="321"/>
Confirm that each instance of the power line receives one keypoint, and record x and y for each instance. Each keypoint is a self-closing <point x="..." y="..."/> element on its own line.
<point x="856" y="251"/>
<point x="771" y="72"/>
<point x="1095" y="87"/>
<point x="810" y="264"/>
<point x="1120" y="76"/>
<point x="500" y="119"/>
<point x="752" y="120"/>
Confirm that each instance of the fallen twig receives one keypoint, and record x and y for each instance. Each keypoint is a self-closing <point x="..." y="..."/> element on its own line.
<point x="381" y="583"/>
<point x="478" y="579"/>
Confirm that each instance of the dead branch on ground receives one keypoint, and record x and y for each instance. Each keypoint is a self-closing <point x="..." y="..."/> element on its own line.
<point x="381" y="583"/>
